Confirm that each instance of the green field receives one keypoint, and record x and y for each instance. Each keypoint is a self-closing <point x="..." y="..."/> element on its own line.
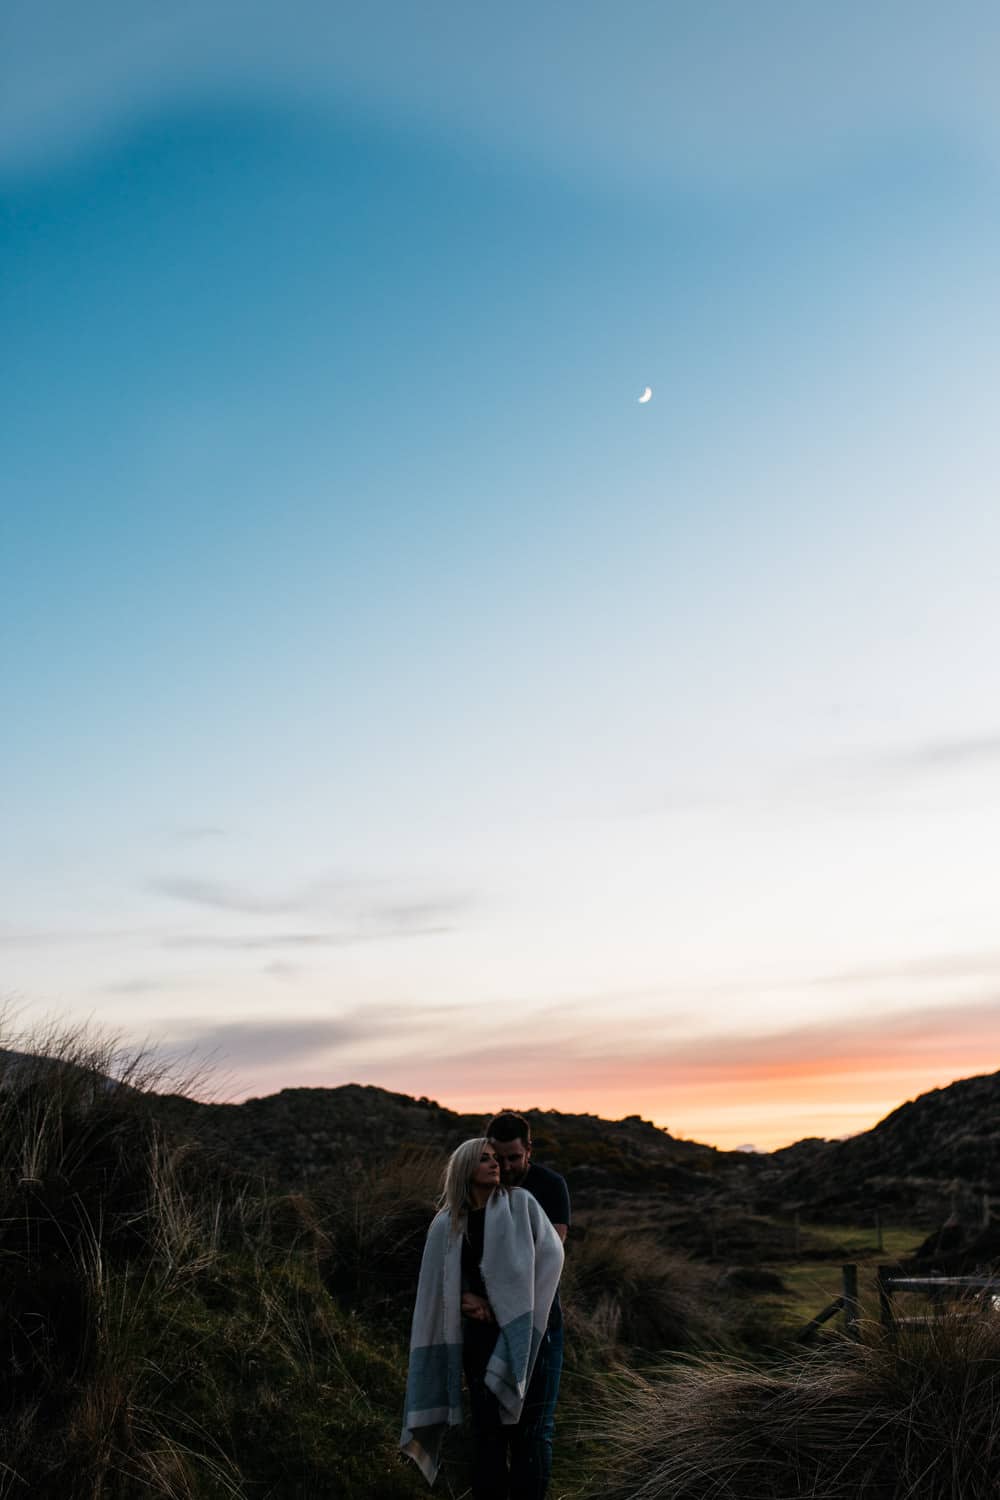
<point x="812" y="1283"/>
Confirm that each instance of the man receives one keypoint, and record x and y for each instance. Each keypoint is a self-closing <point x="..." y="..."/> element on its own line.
<point x="531" y="1440"/>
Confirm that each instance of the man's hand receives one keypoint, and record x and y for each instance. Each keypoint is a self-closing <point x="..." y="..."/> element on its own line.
<point x="476" y="1307"/>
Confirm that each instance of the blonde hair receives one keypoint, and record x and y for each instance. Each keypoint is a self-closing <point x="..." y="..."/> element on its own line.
<point x="462" y="1162"/>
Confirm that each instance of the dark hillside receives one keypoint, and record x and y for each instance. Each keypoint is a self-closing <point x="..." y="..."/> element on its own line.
<point x="302" y="1136"/>
<point x="936" y="1154"/>
<point x="933" y="1157"/>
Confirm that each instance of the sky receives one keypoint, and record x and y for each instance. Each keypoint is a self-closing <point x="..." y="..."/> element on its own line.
<point x="388" y="695"/>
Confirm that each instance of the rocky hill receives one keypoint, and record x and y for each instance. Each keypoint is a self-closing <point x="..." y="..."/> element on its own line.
<point x="301" y="1135"/>
<point x="933" y="1157"/>
<point x="936" y="1154"/>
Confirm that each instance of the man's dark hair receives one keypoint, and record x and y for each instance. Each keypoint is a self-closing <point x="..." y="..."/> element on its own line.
<point x="508" y="1126"/>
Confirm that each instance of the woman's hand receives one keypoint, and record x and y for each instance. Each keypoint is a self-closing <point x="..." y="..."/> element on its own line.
<point x="476" y="1307"/>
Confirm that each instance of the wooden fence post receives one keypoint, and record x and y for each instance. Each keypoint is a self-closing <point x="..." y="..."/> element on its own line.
<point x="806" y="1333"/>
<point x="852" y="1307"/>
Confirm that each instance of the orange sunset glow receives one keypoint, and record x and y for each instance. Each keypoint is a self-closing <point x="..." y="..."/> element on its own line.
<point x="829" y="1080"/>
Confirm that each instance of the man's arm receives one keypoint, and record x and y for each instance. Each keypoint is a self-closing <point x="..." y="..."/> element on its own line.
<point x="560" y="1210"/>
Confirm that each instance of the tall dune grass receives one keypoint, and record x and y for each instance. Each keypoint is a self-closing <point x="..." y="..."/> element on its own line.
<point x="375" y="1223"/>
<point x="164" y="1328"/>
<point x="627" y="1292"/>
<point x="913" y="1419"/>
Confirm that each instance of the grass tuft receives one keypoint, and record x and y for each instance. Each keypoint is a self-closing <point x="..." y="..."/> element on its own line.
<point x="625" y="1291"/>
<point x="917" y="1419"/>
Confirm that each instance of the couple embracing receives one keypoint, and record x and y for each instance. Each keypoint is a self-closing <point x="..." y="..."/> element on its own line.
<point x="488" y="1305"/>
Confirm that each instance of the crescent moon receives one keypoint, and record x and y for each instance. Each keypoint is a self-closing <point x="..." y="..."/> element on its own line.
<point x="647" y="395"/>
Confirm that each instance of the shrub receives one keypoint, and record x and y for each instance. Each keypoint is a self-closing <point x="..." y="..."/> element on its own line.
<point x="626" y="1289"/>
<point x="917" y="1419"/>
<point x="376" y="1222"/>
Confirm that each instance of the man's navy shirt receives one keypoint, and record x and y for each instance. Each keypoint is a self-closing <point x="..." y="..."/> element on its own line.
<point x="552" y="1193"/>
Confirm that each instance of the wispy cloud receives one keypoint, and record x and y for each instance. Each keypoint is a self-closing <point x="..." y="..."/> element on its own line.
<point x="862" y="772"/>
<point x="377" y="921"/>
<point x="241" y="1044"/>
<point x="377" y="899"/>
<point x="221" y="896"/>
<point x="69" y="937"/>
<point x="855" y="777"/>
<point x="843" y="1043"/>
<point x="935" y="968"/>
<point x="947" y="754"/>
<point x="280" y="969"/>
<point x="139" y="986"/>
<point x="271" y="1044"/>
<point x="380" y="928"/>
<point x="361" y="910"/>
<point x="865" y="776"/>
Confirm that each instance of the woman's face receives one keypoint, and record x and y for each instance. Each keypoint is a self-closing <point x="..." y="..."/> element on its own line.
<point x="486" y="1172"/>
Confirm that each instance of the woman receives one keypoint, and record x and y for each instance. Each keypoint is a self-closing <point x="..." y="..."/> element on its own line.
<point x="490" y="1270"/>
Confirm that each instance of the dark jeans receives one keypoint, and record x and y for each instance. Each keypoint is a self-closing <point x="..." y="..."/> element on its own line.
<point x="489" y="1436"/>
<point x="528" y="1445"/>
<point x="531" y="1439"/>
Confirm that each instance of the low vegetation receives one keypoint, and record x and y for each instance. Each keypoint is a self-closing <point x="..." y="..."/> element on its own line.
<point x="166" y="1325"/>
<point x="915" y="1418"/>
<point x="178" y="1321"/>
<point x="625" y="1292"/>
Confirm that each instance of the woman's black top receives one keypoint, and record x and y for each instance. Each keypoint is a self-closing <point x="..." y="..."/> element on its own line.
<point x="478" y="1338"/>
<point x="472" y="1252"/>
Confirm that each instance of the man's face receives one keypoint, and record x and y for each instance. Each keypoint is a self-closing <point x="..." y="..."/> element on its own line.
<point x="515" y="1159"/>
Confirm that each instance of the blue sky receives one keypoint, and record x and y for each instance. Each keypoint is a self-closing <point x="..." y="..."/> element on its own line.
<point x="389" y="695"/>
